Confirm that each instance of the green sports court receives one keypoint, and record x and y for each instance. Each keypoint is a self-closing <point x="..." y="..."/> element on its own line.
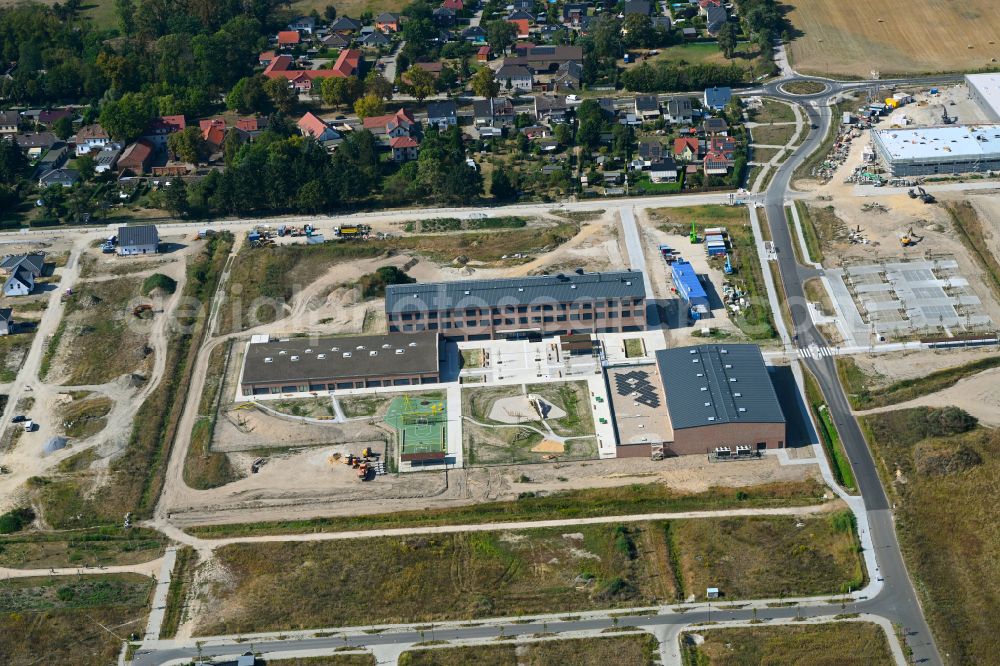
<point x="421" y="424"/>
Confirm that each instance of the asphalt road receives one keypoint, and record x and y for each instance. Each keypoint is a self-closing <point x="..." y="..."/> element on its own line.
<point x="897" y="601"/>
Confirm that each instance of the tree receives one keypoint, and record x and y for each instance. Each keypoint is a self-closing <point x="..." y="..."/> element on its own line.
<point x="231" y="147"/>
<point x="125" y="9"/>
<point x="249" y="96"/>
<point x="281" y="94"/>
<point x="484" y="83"/>
<point x="421" y="82"/>
<point x="341" y="91"/>
<point x="368" y="106"/>
<point x="126" y="119"/>
<point x="591" y="121"/>
<point x="187" y="144"/>
<point x="311" y="197"/>
<point x="500" y="35"/>
<point x="85" y="164"/>
<point x="501" y="187"/>
<point x="175" y="197"/>
<point x="378" y="85"/>
<point x="330" y="13"/>
<point x="638" y="31"/>
<point x="606" y="33"/>
<point x="63" y="128"/>
<point x="728" y="39"/>
<point x="13" y="162"/>
<point x="563" y="134"/>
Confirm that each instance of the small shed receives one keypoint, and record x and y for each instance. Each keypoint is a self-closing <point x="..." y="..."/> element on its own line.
<point x="712" y="593"/>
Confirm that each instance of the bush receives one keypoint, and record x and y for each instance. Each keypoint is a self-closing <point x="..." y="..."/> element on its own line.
<point x="373" y="285"/>
<point x="16" y="520"/>
<point x="159" y="281"/>
<point x="942" y="459"/>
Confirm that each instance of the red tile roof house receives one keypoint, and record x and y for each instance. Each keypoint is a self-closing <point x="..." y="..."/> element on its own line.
<point x="213" y="131"/>
<point x="135" y="160"/>
<point x="716" y="164"/>
<point x="523" y="27"/>
<point x="394" y="125"/>
<point x="348" y="64"/>
<point x="404" y="148"/>
<point x="265" y="58"/>
<point x="454" y="5"/>
<point x="312" y="125"/>
<point x="288" y="38"/>
<point x="687" y="148"/>
<point x="387" y="22"/>
<point x="160" y="128"/>
<point x="483" y="54"/>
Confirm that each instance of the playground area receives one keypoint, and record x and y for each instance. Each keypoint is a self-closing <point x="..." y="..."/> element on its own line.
<point x="421" y="426"/>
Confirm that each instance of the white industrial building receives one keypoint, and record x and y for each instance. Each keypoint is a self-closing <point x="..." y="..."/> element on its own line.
<point x="927" y="151"/>
<point x="984" y="90"/>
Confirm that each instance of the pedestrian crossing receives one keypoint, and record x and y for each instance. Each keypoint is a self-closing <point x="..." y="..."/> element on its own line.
<point x="816" y="352"/>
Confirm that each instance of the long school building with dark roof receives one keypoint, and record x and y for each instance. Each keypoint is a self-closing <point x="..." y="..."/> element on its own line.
<point x="515" y="308"/>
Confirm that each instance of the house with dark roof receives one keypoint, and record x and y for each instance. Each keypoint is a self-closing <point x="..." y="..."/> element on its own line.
<point x="641" y="7"/>
<point x="9" y="121"/>
<point x="647" y="107"/>
<point x="517" y="308"/>
<point x="107" y="159"/>
<point x="514" y="77"/>
<point x="374" y="40"/>
<point x="36" y="143"/>
<point x="6" y="321"/>
<point x="544" y="59"/>
<point x="568" y="76"/>
<point x="388" y="22"/>
<point x="551" y="108"/>
<point x="335" y="40"/>
<point x="718" y="397"/>
<point x="442" y="114"/>
<point x="650" y="150"/>
<point x="717" y="97"/>
<point x="63" y="177"/>
<point x="572" y="12"/>
<point x="475" y="35"/>
<point x="715" y="15"/>
<point x="663" y="171"/>
<point x="493" y="112"/>
<point x="444" y="17"/>
<point x="714" y="126"/>
<point x="139" y="239"/>
<point x="21" y="271"/>
<point x="678" y="110"/>
<point x="345" y="25"/>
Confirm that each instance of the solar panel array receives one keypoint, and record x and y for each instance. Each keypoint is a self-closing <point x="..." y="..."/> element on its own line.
<point x="636" y="384"/>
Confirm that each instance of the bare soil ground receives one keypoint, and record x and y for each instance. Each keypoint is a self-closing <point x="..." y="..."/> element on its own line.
<point x="852" y="39"/>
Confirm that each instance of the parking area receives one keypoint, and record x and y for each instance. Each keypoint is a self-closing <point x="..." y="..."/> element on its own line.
<point x="639" y="405"/>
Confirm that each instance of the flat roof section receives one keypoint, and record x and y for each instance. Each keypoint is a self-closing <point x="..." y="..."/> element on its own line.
<point x="988" y="88"/>
<point x="301" y="360"/>
<point x="951" y="143"/>
<point x="562" y="288"/>
<point x="717" y="384"/>
<point x="640" y="412"/>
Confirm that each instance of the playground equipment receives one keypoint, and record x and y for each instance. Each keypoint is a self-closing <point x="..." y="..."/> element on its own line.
<point x="416" y="413"/>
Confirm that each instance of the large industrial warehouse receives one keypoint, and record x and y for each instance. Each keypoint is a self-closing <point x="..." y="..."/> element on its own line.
<point x="299" y="365"/>
<point x="720" y="396"/>
<point x="526" y="307"/>
<point x="984" y="90"/>
<point x="938" y="150"/>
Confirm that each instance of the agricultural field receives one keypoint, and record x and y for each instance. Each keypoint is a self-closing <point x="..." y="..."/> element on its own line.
<point x="503" y="424"/>
<point x="634" y="650"/>
<point x="833" y="644"/>
<point x="940" y="470"/>
<point x="851" y="39"/>
<point x="63" y="620"/>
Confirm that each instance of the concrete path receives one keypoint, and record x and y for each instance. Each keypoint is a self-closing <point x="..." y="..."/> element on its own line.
<point x="150" y="569"/>
<point x="159" y="606"/>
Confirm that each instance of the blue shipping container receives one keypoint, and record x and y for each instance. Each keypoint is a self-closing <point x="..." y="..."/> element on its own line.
<point x="688" y="285"/>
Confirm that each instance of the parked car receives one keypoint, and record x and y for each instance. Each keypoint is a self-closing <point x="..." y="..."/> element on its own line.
<point x="20" y="418"/>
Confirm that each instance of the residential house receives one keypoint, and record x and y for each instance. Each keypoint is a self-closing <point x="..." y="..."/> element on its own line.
<point x="715" y="15"/>
<point x="334" y="40"/>
<point x="53" y="158"/>
<point x="348" y="63"/>
<point x="723" y="144"/>
<point x="678" y="111"/>
<point x="91" y="137"/>
<point x="663" y="171"/>
<point x="715" y="126"/>
<point x="550" y="108"/>
<point x="514" y="77"/>
<point x="641" y="7"/>
<point x="522" y="5"/>
<point x="288" y="39"/>
<point x="568" y="76"/>
<point x="48" y="117"/>
<point x="521" y="15"/>
<point x="6" y="321"/>
<point x="650" y="151"/>
<point x="483" y="54"/>
<point x="396" y="124"/>
<point x="35" y="143"/>
<point x="312" y="125"/>
<point x="388" y="22"/>
<point x="716" y="163"/>
<point x="444" y="17"/>
<point x="493" y="112"/>
<point x="138" y="239"/>
<point x="107" y="159"/>
<point x="717" y="97"/>
<point x="252" y="125"/>
<point x="64" y="177"/>
<point x="21" y="271"/>
<point x="442" y="114"/>
<point x="345" y="26"/>
<point x="475" y="35"/>
<point x="522" y="27"/>
<point x="136" y="158"/>
<point x="454" y="5"/>
<point x="573" y="11"/>
<point x="306" y="24"/>
<point x="687" y="148"/>
<point x="375" y="40"/>
<point x="213" y="131"/>
<point x="404" y="148"/>
<point x="647" y="107"/>
<point x="161" y="128"/>
<point x="433" y="68"/>
<point x="689" y="33"/>
<point x="9" y="120"/>
<point x="545" y="58"/>
<point x="536" y="131"/>
<point x="265" y="58"/>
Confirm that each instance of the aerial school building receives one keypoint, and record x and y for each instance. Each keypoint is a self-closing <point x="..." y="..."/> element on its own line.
<point x="520" y="308"/>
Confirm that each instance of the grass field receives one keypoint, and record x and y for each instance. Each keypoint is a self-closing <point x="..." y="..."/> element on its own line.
<point x="633" y="650"/>
<point x="59" y="620"/>
<point x="106" y="546"/>
<point x="771" y="111"/>
<point x="13" y="350"/>
<point x="180" y="586"/>
<point x="84" y="417"/>
<point x="772" y="135"/>
<point x="829" y="435"/>
<point x="852" y="39"/>
<point x="756" y="322"/>
<point x="623" y="500"/>
<point x="864" y="391"/>
<point x="204" y="468"/>
<point x="942" y="477"/>
<point x="436" y="577"/>
<point x="833" y="644"/>
<point x="329" y="660"/>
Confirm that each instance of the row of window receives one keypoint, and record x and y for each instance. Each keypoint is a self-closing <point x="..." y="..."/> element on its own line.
<point x="368" y="383"/>
<point x="520" y="309"/>
<point x="585" y="316"/>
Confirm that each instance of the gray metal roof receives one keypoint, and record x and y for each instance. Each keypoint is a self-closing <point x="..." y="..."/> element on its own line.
<point x="32" y="262"/>
<point x="562" y="288"/>
<point x="305" y="360"/>
<point x="143" y="234"/>
<point x="715" y="384"/>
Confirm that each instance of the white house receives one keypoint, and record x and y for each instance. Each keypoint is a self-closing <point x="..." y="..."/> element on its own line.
<point x="140" y="239"/>
<point x="515" y="77"/>
<point x="21" y="271"/>
<point x="6" y="321"/>
<point x="664" y="171"/>
<point x="19" y="283"/>
<point x="91" y="137"/>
